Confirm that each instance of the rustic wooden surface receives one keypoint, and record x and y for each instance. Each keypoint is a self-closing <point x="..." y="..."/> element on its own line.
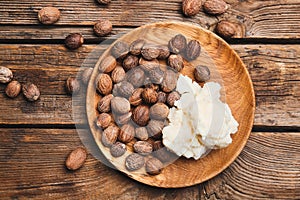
<point x="36" y="138"/>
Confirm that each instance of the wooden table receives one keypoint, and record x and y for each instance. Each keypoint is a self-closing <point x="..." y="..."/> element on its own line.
<point x="35" y="138"/>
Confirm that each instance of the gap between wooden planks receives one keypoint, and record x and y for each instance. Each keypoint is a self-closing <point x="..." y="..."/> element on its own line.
<point x="32" y="166"/>
<point x="273" y="69"/>
<point x="257" y="18"/>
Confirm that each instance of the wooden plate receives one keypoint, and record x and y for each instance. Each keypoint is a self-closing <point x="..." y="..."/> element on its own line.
<point x="230" y="72"/>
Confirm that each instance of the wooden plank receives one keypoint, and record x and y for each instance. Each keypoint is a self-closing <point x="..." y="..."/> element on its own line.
<point x="257" y="18"/>
<point x="32" y="166"/>
<point x="268" y="168"/>
<point x="273" y="69"/>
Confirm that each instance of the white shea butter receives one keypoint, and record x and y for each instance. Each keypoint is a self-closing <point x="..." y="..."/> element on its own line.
<point x="199" y="121"/>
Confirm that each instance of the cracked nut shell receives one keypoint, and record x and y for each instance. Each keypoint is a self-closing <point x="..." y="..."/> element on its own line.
<point x="31" y="92"/>
<point x="6" y="75"/>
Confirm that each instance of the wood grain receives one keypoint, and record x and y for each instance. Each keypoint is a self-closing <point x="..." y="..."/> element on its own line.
<point x="259" y="172"/>
<point x="255" y="19"/>
<point x="277" y="98"/>
<point x="32" y="166"/>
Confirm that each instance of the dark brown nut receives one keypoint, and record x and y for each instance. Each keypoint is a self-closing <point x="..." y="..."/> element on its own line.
<point x="118" y="149"/>
<point x="193" y="50"/>
<point x="120" y="50"/>
<point x="161" y="97"/>
<point x="86" y="75"/>
<point x="149" y="95"/>
<point x="72" y="86"/>
<point x="104" y="84"/>
<point x="155" y="128"/>
<point x="226" y="29"/>
<point x="74" y="41"/>
<point x="170" y="81"/>
<point x="110" y="135"/>
<point x="76" y="158"/>
<point x="157" y="145"/>
<point x="156" y="75"/>
<point x="136" y="47"/>
<point x="159" y="111"/>
<point x="172" y="97"/>
<point x="13" y="89"/>
<point x="141" y="133"/>
<point x="130" y="62"/>
<point x="163" y="52"/>
<point x="107" y="64"/>
<point x="154" y="166"/>
<point x="148" y="65"/>
<point x="136" y="97"/>
<point x="150" y="52"/>
<point x="127" y="133"/>
<point x="125" y="89"/>
<point x="31" y="92"/>
<point x="141" y="115"/>
<point x="118" y="74"/>
<point x="105" y="2"/>
<point x="151" y="141"/>
<point x="134" y="162"/>
<point x="103" y="120"/>
<point x="136" y="77"/>
<point x="48" y="15"/>
<point x="215" y="7"/>
<point x="191" y="7"/>
<point x="142" y="147"/>
<point x="6" y="75"/>
<point x="176" y="62"/>
<point x="123" y="119"/>
<point x="202" y="73"/>
<point x="102" y="27"/>
<point x="120" y="105"/>
<point x="177" y="44"/>
<point x="104" y="104"/>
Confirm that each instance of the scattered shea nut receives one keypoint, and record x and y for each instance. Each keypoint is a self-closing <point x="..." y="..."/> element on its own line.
<point x="202" y="73"/>
<point x="76" y="159"/>
<point x="226" y="29"/>
<point x="13" y="89"/>
<point x="102" y="27"/>
<point x="74" y="41"/>
<point x="191" y="7"/>
<point x="215" y="7"/>
<point x="48" y="15"/>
